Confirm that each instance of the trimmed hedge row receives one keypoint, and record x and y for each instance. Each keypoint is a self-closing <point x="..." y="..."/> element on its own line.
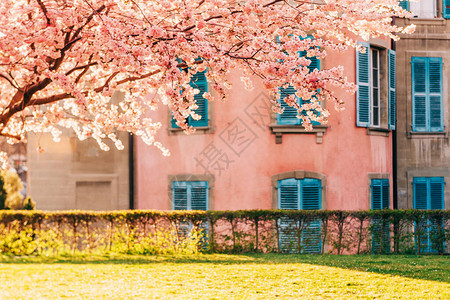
<point x="149" y="231"/>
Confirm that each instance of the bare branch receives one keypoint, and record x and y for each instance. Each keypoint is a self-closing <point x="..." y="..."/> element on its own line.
<point x="10" y="80"/>
<point x="44" y="10"/>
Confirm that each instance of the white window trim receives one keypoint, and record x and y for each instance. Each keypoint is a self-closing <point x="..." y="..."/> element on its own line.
<point x="416" y="8"/>
<point x="372" y="50"/>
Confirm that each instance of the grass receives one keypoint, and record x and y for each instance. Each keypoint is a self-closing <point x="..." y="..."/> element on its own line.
<point x="218" y="276"/>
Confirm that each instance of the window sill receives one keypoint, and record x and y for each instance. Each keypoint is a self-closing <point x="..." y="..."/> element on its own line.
<point x="427" y="135"/>
<point x="279" y="130"/>
<point x="198" y="130"/>
<point x="378" y="131"/>
<point x="425" y="21"/>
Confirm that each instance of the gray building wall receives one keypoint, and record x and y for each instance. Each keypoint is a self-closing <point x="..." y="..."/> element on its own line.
<point x="74" y="174"/>
<point x="421" y="154"/>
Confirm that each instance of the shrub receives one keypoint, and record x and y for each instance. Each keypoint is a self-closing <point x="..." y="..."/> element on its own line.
<point x="160" y="232"/>
<point x="12" y="185"/>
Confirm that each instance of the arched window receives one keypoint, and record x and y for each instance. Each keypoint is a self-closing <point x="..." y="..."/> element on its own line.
<point x="300" y="190"/>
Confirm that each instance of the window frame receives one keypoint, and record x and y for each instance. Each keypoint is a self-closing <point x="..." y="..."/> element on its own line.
<point x="382" y="182"/>
<point x="372" y="87"/>
<point x="300" y="182"/>
<point x="435" y="9"/>
<point x="427" y="94"/>
<point x="300" y="174"/>
<point x="174" y="129"/>
<point x="189" y="186"/>
<point x="428" y="180"/>
<point x="288" y="236"/>
<point x="298" y="122"/>
<point x="367" y="111"/>
<point x="207" y="178"/>
<point x="427" y="246"/>
<point x="376" y="176"/>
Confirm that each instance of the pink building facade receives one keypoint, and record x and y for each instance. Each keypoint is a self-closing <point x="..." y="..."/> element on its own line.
<point x="242" y="156"/>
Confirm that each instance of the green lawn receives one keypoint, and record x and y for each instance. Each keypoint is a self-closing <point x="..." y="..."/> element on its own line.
<point x="215" y="276"/>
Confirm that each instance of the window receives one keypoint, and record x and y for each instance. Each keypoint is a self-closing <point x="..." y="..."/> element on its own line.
<point x="446" y="9"/>
<point x="300" y="194"/>
<point x="369" y="71"/>
<point x="199" y="82"/>
<point x="190" y="195"/>
<point x="404" y="4"/>
<point x="427" y="110"/>
<point x="428" y="193"/>
<point x="426" y="8"/>
<point x="379" y="191"/>
<point x="289" y="116"/>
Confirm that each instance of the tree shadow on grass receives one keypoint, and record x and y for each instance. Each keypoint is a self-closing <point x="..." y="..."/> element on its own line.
<point x="436" y="268"/>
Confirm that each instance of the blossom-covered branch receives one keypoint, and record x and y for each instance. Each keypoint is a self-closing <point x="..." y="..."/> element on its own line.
<point x="61" y="61"/>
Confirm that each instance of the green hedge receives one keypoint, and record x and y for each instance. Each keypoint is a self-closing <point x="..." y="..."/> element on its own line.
<point x="294" y="231"/>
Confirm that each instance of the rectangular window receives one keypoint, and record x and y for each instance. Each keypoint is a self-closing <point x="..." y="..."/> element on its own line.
<point x="368" y="77"/>
<point x="428" y="193"/>
<point x="446" y="9"/>
<point x="427" y="106"/>
<point x="199" y="82"/>
<point x="426" y="8"/>
<point x="423" y="9"/>
<point x="404" y="4"/>
<point x="300" y="194"/>
<point x="380" y="228"/>
<point x="375" y="87"/>
<point x="190" y="195"/>
<point x="380" y="193"/>
<point x="289" y="116"/>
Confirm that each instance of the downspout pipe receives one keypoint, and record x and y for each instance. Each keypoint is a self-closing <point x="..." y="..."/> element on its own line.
<point x="131" y="170"/>
<point x="394" y="149"/>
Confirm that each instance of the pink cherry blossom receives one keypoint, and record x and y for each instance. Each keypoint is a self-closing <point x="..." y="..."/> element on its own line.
<point x="61" y="61"/>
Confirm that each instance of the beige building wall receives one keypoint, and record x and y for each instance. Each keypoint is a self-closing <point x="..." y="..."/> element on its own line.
<point x="421" y="154"/>
<point x="74" y="174"/>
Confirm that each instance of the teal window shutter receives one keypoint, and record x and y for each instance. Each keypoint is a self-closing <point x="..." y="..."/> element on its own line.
<point x="435" y="94"/>
<point x="392" y="89"/>
<point x="190" y="195"/>
<point x="288" y="194"/>
<point x="420" y="187"/>
<point x="198" y="81"/>
<point x="380" y="200"/>
<point x="376" y="193"/>
<point x="289" y="116"/>
<point x="446" y="9"/>
<point x="419" y="93"/>
<point x="300" y="194"/>
<point x="315" y="64"/>
<point x="428" y="193"/>
<point x="436" y="193"/>
<point x="363" y="82"/>
<point x="380" y="193"/>
<point x="311" y="190"/>
<point x="385" y="193"/>
<point x="180" y="195"/>
<point x="404" y="4"/>
<point x="199" y="195"/>
<point x="427" y="94"/>
<point x="288" y="198"/>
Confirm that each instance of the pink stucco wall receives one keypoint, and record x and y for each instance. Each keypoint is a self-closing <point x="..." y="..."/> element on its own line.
<point x="346" y="156"/>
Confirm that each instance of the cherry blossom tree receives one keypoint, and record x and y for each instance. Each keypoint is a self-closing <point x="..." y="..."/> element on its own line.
<point x="61" y="60"/>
